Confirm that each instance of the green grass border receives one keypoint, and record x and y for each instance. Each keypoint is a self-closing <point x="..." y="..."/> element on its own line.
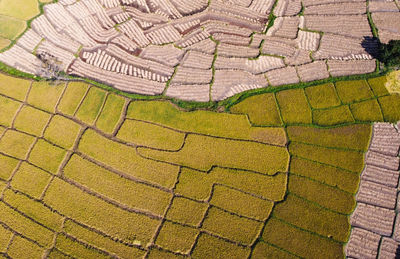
<point x="193" y="105"/>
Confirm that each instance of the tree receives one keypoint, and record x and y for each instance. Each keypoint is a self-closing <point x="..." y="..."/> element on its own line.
<point x="390" y="53"/>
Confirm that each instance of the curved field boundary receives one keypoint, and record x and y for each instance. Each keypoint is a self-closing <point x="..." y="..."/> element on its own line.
<point x="302" y="42"/>
<point x="375" y="221"/>
<point x="88" y="173"/>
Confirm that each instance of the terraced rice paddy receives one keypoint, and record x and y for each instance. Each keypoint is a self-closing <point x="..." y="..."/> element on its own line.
<point x="90" y="174"/>
<point x="290" y="173"/>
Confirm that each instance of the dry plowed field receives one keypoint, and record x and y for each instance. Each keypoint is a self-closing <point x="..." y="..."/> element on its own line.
<point x="87" y="173"/>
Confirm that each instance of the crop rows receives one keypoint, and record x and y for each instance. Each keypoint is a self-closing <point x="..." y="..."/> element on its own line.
<point x="125" y="43"/>
<point x="88" y="173"/>
<point x="381" y="13"/>
<point x="375" y="233"/>
<point x="80" y="176"/>
<point x="332" y="104"/>
<point x="325" y="170"/>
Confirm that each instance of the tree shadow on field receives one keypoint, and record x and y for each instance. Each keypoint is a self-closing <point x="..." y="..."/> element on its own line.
<point x="371" y="46"/>
<point x="389" y="54"/>
<point x="397" y="255"/>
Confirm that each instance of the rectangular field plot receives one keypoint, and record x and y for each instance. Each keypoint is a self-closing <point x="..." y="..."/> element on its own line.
<point x="367" y="111"/>
<point x="75" y="249"/>
<point x="34" y="209"/>
<point x="161" y="254"/>
<point x="352" y="137"/>
<point x="150" y="135"/>
<point x="212" y="247"/>
<point x="23" y="248"/>
<point x="351" y="91"/>
<point x="47" y="156"/>
<point x="308" y="216"/>
<point x="378" y="85"/>
<point x="72" y="97"/>
<point x="41" y="91"/>
<point x="91" y="105"/>
<point x="30" y="180"/>
<point x="198" y="185"/>
<point x="19" y="87"/>
<point x="334" y="116"/>
<point x="261" y="109"/>
<point x="294" y="106"/>
<point x="100" y="241"/>
<point x="16" y="144"/>
<point x="205" y="122"/>
<point x="186" y="211"/>
<point x="241" y="203"/>
<point x="55" y="253"/>
<point x="210" y="152"/>
<point x="31" y="120"/>
<point x="111" y="113"/>
<point x="125" y="159"/>
<point x="390" y="107"/>
<point x="326" y="174"/>
<point x="326" y="196"/>
<point x="176" y="238"/>
<point x="264" y="250"/>
<point x="92" y="211"/>
<point x="25" y="226"/>
<point x="128" y="192"/>
<point x="62" y="131"/>
<point x="7" y="165"/>
<point x="220" y="223"/>
<point x="322" y="96"/>
<point x="348" y="160"/>
<point x="5" y="237"/>
<point x="8" y="109"/>
<point x="299" y="242"/>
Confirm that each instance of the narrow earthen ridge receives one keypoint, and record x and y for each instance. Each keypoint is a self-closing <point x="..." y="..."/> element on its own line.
<point x="376" y="222"/>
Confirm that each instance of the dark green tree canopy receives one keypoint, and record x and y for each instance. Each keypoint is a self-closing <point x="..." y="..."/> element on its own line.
<point x="390" y="53"/>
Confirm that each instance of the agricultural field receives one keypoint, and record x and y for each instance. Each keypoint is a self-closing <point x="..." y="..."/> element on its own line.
<point x="13" y="19"/>
<point x="199" y="50"/>
<point x="88" y="173"/>
<point x="198" y="129"/>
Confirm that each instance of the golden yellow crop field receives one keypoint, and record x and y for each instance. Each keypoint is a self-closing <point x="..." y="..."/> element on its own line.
<point x="218" y="129"/>
<point x="92" y="174"/>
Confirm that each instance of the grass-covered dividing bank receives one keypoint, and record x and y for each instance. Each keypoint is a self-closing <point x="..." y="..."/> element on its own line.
<point x="341" y="103"/>
<point x="274" y="89"/>
<point x="214" y="106"/>
<point x="188" y="105"/>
